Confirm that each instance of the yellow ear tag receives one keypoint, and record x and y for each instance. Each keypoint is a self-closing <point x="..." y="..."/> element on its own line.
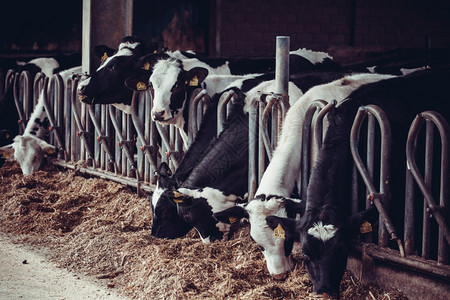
<point x="169" y="172"/>
<point x="7" y="154"/>
<point x="194" y="81"/>
<point x="146" y="66"/>
<point x="50" y="151"/>
<point x="365" y="227"/>
<point x="279" y="232"/>
<point x="104" y="57"/>
<point x="232" y="220"/>
<point x="178" y="200"/>
<point x="177" y="194"/>
<point x="140" y="86"/>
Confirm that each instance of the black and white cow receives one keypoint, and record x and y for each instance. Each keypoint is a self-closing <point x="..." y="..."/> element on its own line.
<point x="9" y="116"/>
<point x="107" y="84"/>
<point x="183" y="177"/>
<point x="325" y="229"/>
<point x="283" y="175"/>
<point x="30" y="149"/>
<point x="217" y="182"/>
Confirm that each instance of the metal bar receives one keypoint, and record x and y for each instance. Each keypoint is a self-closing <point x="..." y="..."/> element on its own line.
<point x="222" y="109"/>
<point x="282" y="65"/>
<point x="380" y="200"/>
<point x="82" y="133"/>
<point x="427" y="178"/>
<point x="253" y="156"/>
<point x="193" y="122"/>
<point x="411" y="262"/>
<point x="22" y="106"/>
<point x="314" y="107"/>
<point x="49" y="86"/>
<point x="261" y="151"/>
<point x="434" y="209"/>
<point x="145" y="145"/>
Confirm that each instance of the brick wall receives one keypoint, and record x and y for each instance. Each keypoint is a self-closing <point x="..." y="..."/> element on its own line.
<point x="249" y="27"/>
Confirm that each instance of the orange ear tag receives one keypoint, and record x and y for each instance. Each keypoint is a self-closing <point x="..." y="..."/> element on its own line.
<point x="232" y="220"/>
<point x="279" y="232"/>
<point x="104" y="57"/>
<point x="146" y="66"/>
<point x="140" y="86"/>
<point x="193" y="81"/>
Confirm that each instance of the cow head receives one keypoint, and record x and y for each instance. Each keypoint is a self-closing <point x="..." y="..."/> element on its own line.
<point x="325" y="241"/>
<point x="29" y="151"/>
<point x="171" y="85"/>
<point x="166" y="221"/>
<point x="107" y="84"/>
<point x="197" y="207"/>
<point x="275" y="242"/>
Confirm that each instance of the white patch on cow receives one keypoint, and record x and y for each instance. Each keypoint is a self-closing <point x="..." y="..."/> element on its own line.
<point x="283" y="172"/>
<point x="156" y="195"/>
<point x="191" y="63"/>
<point x="263" y="235"/>
<point x="163" y="78"/>
<point x="322" y="232"/>
<point x="313" y="56"/>
<point x="214" y="84"/>
<point x="66" y="74"/>
<point x="123" y="107"/>
<point x="406" y="71"/>
<point x="218" y="202"/>
<point x="120" y="52"/>
<point x="47" y="65"/>
<point x="216" y="199"/>
<point x="268" y="87"/>
<point x="371" y="69"/>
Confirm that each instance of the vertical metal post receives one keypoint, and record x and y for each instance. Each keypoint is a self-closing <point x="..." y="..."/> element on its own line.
<point x="282" y="65"/>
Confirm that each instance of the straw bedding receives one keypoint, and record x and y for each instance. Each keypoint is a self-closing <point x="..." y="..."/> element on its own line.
<point x="102" y="229"/>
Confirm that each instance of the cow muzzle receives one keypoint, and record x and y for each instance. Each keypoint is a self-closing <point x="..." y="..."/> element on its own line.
<point x="159" y="115"/>
<point x="281" y="276"/>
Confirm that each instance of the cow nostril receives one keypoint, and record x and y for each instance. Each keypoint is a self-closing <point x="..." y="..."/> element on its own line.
<point x="159" y="115"/>
<point x="281" y="276"/>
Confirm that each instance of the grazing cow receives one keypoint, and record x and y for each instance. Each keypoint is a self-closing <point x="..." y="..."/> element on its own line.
<point x="218" y="181"/>
<point x="283" y="173"/>
<point x="8" y="112"/>
<point x="30" y="148"/>
<point x="324" y="231"/>
<point x="194" y="156"/>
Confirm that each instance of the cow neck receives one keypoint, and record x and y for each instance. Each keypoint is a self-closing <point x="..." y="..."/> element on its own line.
<point x="38" y="122"/>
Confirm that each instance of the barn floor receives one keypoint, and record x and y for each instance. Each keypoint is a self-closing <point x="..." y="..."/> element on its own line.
<point x="100" y="228"/>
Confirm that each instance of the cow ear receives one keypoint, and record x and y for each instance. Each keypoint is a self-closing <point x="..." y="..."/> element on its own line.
<point x="103" y="52"/>
<point x="231" y="215"/>
<point x="7" y="152"/>
<point x="296" y="206"/>
<point x="176" y="197"/>
<point x="363" y="221"/>
<point x="282" y="227"/>
<point x="138" y="82"/>
<point x="195" y="76"/>
<point x="164" y="170"/>
<point x="48" y="149"/>
<point x="147" y="62"/>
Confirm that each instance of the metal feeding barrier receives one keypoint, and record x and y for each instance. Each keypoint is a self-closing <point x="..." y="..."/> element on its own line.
<point x="430" y="256"/>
